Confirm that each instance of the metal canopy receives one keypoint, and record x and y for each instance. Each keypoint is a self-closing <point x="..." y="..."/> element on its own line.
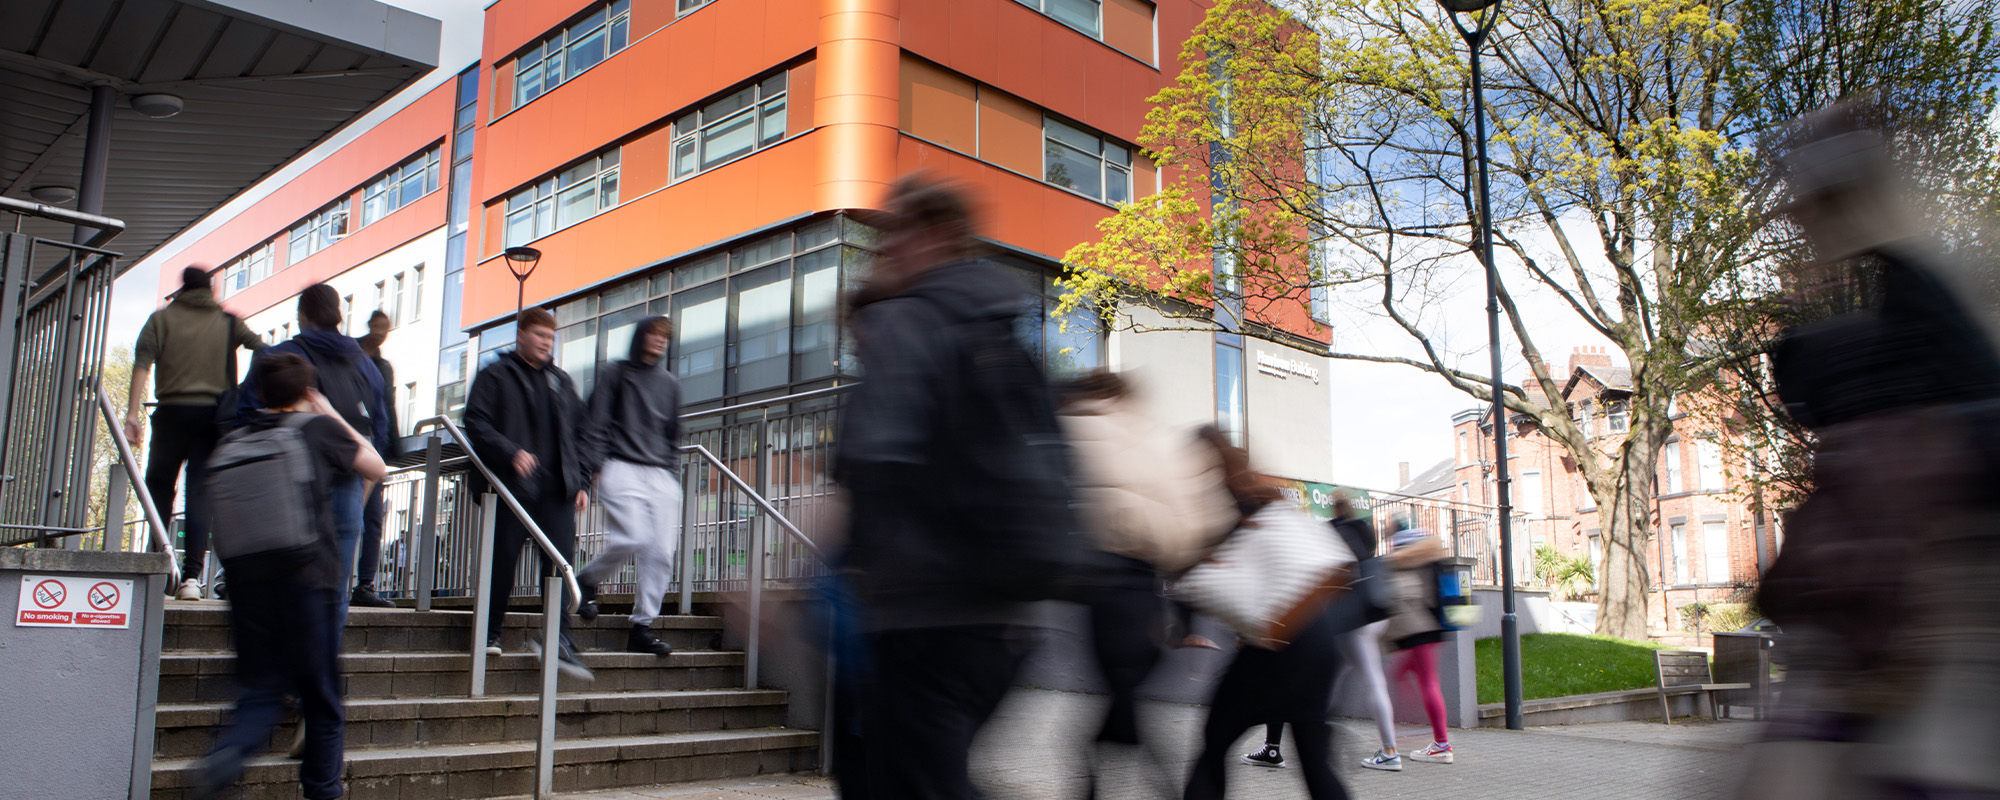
<point x="262" y="81"/>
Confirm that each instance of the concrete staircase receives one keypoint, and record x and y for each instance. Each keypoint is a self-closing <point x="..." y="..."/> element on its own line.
<point x="413" y="734"/>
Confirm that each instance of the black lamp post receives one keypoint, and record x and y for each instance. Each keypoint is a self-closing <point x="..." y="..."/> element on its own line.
<point x="521" y="261"/>
<point x="1510" y="631"/>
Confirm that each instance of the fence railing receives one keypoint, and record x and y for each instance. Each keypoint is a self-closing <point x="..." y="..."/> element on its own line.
<point x="1466" y="529"/>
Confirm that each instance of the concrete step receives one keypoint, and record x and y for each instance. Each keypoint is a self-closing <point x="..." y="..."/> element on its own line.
<point x="200" y="676"/>
<point x="205" y="626"/>
<point x="448" y="772"/>
<point x="188" y="730"/>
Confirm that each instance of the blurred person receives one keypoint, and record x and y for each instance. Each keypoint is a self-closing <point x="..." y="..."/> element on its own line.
<point x="1152" y="499"/>
<point x="352" y="387"/>
<point x="1293" y="685"/>
<point x="1416" y="628"/>
<point x="189" y="349"/>
<point x="285" y="602"/>
<point x="951" y="457"/>
<point x="375" y="513"/>
<point x="1362" y="645"/>
<point x="1891" y="619"/>
<point x="522" y="416"/>
<point x="634" y="425"/>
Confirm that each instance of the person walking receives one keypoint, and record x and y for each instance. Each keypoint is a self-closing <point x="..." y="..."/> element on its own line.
<point x="522" y="416"/>
<point x="1362" y="645"/>
<point x="634" y="423"/>
<point x="951" y="457"/>
<point x="349" y="381"/>
<point x="285" y="603"/>
<point x="189" y="350"/>
<point x="1293" y="685"/>
<point x="1416" y="627"/>
<point x="375" y="512"/>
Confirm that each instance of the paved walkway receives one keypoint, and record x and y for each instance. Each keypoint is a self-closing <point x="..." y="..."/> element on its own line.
<point x="1034" y="750"/>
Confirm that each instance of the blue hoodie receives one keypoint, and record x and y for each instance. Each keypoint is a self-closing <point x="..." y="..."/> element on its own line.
<point x="323" y="346"/>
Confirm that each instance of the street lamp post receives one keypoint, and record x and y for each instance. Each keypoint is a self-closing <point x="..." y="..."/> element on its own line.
<point x="1510" y="631"/>
<point x="521" y="261"/>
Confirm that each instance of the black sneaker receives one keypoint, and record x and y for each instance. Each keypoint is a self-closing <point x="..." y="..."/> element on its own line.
<point x="642" y="640"/>
<point x="365" y="597"/>
<point x="587" y="610"/>
<point x="567" y="661"/>
<point x="1267" y="757"/>
<point x="493" y="645"/>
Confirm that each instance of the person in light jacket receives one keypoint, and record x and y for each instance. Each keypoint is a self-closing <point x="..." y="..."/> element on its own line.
<point x="1416" y="627"/>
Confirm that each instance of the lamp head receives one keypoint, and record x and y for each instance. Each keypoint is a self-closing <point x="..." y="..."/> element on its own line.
<point x="522" y="260"/>
<point x="1467" y="6"/>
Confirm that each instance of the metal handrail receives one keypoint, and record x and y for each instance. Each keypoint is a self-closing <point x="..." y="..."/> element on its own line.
<point x="758" y="499"/>
<point x="138" y="484"/>
<point x="534" y="531"/>
<point x="811" y="394"/>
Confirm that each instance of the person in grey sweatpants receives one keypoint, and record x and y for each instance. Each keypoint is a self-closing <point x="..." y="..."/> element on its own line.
<point x="634" y="425"/>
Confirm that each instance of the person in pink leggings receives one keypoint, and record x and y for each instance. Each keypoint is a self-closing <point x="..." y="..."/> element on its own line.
<point x="1416" y="628"/>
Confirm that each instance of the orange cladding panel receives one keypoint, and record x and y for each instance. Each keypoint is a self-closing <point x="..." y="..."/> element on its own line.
<point x="939" y="105"/>
<point x="650" y="15"/>
<point x="1010" y="132"/>
<point x="388" y="233"/>
<point x="1019" y="211"/>
<point x="404" y="134"/>
<point x="752" y="193"/>
<point x="513" y="24"/>
<point x="1128" y="26"/>
<point x="974" y="51"/>
<point x="856" y="102"/>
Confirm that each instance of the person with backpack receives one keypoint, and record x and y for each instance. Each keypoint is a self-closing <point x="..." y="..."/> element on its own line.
<point x="957" y="480"/>
<point x="272" y="484"/>
<point x="635" y="426"/>
<point x="353" y="388"/>
<point x="189" y="349"/>
<point x="1362" y="644"/>
<point x="1417" y="626"/>
<point x="375" y="512"/>
<point x="522" y="416"/>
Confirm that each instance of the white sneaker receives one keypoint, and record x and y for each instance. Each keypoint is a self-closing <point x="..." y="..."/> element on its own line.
<point x="1437" y="753"/>
<point x="190" y="590"/>
<point x="1383" y="761"/>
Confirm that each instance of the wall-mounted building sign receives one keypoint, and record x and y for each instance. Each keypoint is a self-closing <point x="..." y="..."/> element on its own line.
<point x="1282" y="367"/>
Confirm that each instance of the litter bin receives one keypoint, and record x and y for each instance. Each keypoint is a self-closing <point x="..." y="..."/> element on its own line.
<point x="1744" y="657"/>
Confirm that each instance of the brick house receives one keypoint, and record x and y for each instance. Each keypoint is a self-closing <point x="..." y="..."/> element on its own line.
<point x="1708" y="538"/>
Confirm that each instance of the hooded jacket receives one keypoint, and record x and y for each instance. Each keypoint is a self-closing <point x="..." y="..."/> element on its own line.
<point x="190" y="341"/>
<point x="635" y="410"/>
<point x="906" y="567"/>
<point x="328" y="347"/>
<point x="502" y="417"/>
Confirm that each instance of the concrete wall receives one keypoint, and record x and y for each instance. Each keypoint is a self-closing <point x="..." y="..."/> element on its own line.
<point x="78" y="708"/>
<point x="1534" y="612"/>
<point x="1290" y="411"/>
<point x="1174" y="371"/>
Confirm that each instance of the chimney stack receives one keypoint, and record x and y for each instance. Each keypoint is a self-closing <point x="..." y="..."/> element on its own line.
<point x="1588" y="357"/>
<point x="1402" y="474"/>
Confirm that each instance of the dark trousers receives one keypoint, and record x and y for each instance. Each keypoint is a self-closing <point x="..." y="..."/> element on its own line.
<point x="1292" y="685"/>
<point x="282" y="633"/>
<point x="556" y="515"/>
<point x="372" y="520"/>
<point x="183" y="435"/>
<point x="930" y="692"/>
<point x="1127" y="616"/>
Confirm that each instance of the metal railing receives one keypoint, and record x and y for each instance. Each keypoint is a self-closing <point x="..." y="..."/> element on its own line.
<point x="129" y="477"/>
<point x="1467" y="529"/>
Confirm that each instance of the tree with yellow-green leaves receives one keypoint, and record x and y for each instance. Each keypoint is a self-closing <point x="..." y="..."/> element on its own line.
<point x="1326" y="145"/>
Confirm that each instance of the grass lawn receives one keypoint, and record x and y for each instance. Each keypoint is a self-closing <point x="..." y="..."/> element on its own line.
<point x="1561" y="664"/>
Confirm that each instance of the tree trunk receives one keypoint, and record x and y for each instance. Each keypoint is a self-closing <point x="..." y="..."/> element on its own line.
<point x="1621" y="600"/>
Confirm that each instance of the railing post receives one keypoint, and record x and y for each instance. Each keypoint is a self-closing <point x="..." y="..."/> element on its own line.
<point x="114" y="508"/>
<point x="685" y="559"/>
<point x="545" y="741"/>
<point x="482" y="580"/>
<point x="423" y="558"/>
<point x="759" y="545"/>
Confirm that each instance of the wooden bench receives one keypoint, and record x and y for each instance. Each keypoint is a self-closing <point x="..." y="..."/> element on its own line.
<point x="1686" y="670"/>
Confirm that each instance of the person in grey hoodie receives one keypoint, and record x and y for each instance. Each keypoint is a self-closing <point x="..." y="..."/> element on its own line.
<point x="634" y="426"/>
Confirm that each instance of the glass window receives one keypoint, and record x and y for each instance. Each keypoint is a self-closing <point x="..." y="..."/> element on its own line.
<point x="397" y="285"/>
<point x="702" y="271"/>
<point x="684" y="7"/>
<point x="1680" y="555"/>
<point x="1229" y="416"/>
<point x="762" y="251"/>
<point x="1086" y="163"/>
<point x="815" y="336"/>
<point x="743" y="122"/>
<point x="401" y="186"/>
<point x="417" y="293"/>
<point x="319" y="231"/>
<point x="761" y="328"/>
<point x="701" y="318"/>
<point x="1708" y="456"/>
<point x="574" y="195"/>
<point x="1073" y="343"/>
<point x="1083" y="15"/>
<point x="576" y="353"/>
<point x="616" y="329"/>
<point x="567" y="52"/>
<point x="1531" y="494"/>
<point x="1672" y="455"/>
<point x="1715" y="552"/>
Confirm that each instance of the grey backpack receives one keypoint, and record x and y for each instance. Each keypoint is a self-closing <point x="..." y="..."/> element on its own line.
<point x="260" y="490"/>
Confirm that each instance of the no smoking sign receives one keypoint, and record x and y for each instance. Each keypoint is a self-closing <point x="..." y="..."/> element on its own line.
<point x="55" y="601"/>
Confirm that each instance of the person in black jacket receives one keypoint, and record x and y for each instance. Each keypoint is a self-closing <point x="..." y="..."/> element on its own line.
<point x="943" y="651"/>
<point x="635" y="425"/>
<point x="375" y="512"/>
<point x="522" y="416"/>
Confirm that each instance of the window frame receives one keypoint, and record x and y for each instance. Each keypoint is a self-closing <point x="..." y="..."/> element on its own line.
<point x="315" y="232"/>
<point x="539" y="203"/>
<point x="1042" y="7"/>
<point x="1106" y="166"/>
<point x="553" y="50"/>
<point x="384" y="195"/>
<point x="693" y="130"/>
